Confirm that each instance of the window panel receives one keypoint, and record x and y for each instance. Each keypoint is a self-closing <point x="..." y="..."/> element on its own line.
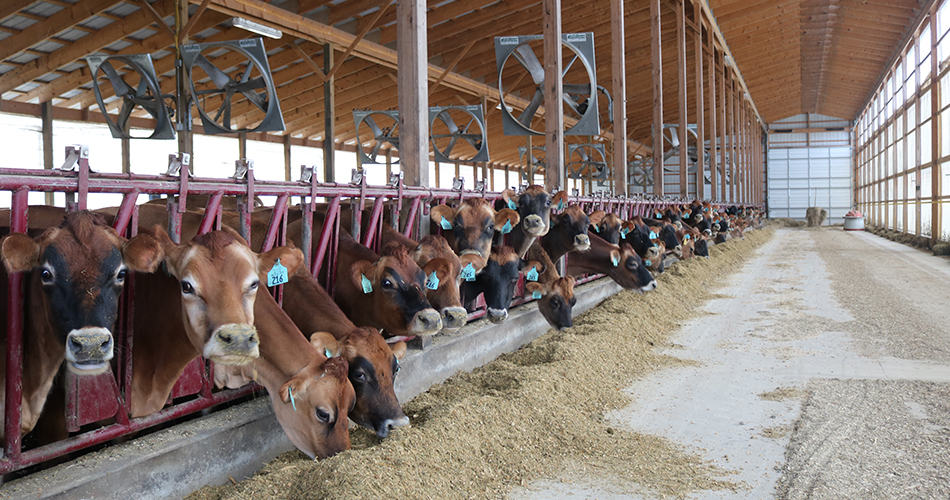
<point x="925" y="142"/>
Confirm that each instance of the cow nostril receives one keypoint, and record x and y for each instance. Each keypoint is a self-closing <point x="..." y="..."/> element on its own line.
<point x="226" y="338"/>
<point x="75" y="344"/>
<point x="105" y="345"/>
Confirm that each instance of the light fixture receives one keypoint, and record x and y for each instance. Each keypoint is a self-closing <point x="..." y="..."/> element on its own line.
<point x="260" y="29"/>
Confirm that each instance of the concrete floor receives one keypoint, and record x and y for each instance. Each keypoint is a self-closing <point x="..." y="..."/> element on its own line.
<point x="824" y="372"/>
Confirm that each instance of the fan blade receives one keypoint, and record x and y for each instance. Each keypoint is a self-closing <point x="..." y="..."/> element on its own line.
<point x="526" y="56"/>
<point x="118" y="83"/>
<point x="218" y="77"/>
<point x="528" y="114"/>
<point x="449" y="122"/>
<point x="372" y="126"/>
<point x="576" y="88"/>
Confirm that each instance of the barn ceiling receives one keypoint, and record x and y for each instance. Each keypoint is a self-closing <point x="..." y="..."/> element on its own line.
<point x="814" y="56"/>
<point x="795" y="55"/>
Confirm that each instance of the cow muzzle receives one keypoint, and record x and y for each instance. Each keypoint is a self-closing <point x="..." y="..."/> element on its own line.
<point x="497" y="315"/>
<point x="534" y="225"/>
<point x="581" y="243"/>
<point x="425" y="322"/>
<point x="88" y="350"/>
<point x="391" y="423"/>
<point x="233" y="344"/>
<point x="453" y="318"/>
<point x="649" y="287"/>
<point x="678" y="251"/>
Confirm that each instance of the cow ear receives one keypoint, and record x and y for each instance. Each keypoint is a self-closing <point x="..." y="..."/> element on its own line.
<point x="20" y="253"/>
<point x="506" y="216"/>
<point x="325" y="344"/>
<point x="290" y="257"/>
<point x="171" y="249"/>
<point x="478" y="263"/>
<point x="614" y="257"/>
<point x="528" y="264"/>
<point x="363" y="269"/>
<point x="442" y="212"/>
<point x="534" y="286"/>
<point x="143" y="253"/>
<point x="296" y="387"/>
<point x="440" y="267"/>
<point x="511" y="199"/>
<point x="596" y="216"/>
<point x="398" y="349"/>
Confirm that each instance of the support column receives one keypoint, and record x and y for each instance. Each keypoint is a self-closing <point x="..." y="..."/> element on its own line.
<point x="242" y="145"/>
<point x="700" y="103"/>
<point x="618" y="70"/>
<point x="935" y="170"/>
<point x="413" y="88"/>
<point x="553" y="92"/>
<point x="46" y="114"/>
<point x="724" y="126"/>
<point x="734" y="164"/>
<point x="713" y="118"/>
<point x="681" y="87"/>
<point x="185" y="135"/>
<point x="287" y="166"/>
<point x="656" y="62"/>
<point x="329" y="116"/>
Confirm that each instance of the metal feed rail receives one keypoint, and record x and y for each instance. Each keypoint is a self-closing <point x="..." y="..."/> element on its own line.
<point x="77" y="180"/>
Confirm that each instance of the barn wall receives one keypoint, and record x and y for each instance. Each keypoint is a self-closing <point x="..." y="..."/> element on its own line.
<point x="809" y="164"/>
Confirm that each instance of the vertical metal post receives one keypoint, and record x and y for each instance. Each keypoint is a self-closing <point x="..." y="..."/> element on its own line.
<point x="15" y="301"/>
<point x="329" y="117"/>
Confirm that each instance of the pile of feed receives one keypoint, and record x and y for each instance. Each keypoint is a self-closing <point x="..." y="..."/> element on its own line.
<point x="531" y="414"/>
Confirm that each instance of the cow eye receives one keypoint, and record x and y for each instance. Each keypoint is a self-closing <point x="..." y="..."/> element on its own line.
<point x="322" y="415"/>
<point x="387" y="283"/>
<point x="253" y="286"/>
<point x="186" y="288"/>
<point x="359" y="376"/>
<point x="46" y="276"/>
<point x="556" y="304"/>
<point x="395" y="366"/>
<point x="120" y="276"/>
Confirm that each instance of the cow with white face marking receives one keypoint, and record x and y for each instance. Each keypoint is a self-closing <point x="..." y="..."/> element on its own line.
<point x="534" y="209"/>
<point x="471" y="228"/>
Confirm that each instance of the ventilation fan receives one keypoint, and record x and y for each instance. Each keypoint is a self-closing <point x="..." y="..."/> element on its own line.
<point x="133" y="80"/>
<point x="216" y="90"/>
<point x="537" y="161"/>
<point x="517" y="60"/>
<point x="377" y="127"/>
<point x="587" y="159"/>
<point x="458" y="131"/>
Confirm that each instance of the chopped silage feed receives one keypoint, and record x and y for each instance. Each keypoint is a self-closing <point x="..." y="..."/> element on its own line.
<point x="530" y="414"/>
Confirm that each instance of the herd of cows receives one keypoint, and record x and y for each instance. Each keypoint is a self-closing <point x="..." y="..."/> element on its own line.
<point x="209" y="296"/>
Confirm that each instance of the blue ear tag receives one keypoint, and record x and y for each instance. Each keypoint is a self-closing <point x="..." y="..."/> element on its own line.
<point x="686" y="237"/>
<point x="705" y="209"/>
<point x="445" y="223"/>
<point x="507" y="227"/>
<point x="468" y="272"/>
<point x="652" y="235"/>
<point x="655" y="245"/>
<point x="623" y="233"/>
<point x="277" y="274"/>
<point x="512" y="205"/>
<point x="560" y="205"/>
<point x="327" y="353"/>
<point x="648" y="263"/>
<point x="367" y="284"/>
<point x="532" y="274"/>
<point x="659" y="215"/>
<point x="433" y="282"/>
<point x="535" y="294"/>
<point x="689" y="214"/>
<point x="615" y="260"/>
<point x="290" y="391"/>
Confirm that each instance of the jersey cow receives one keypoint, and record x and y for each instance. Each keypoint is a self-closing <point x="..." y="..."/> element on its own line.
<point x="471" y="228"/>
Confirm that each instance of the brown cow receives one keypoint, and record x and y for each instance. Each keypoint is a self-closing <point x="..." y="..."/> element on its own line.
<point x="471" y="228"/>
<point x="557" y="293"/>
<point x="534" y="209"/>
<point x="569" y="233"/>
<point x="621" y="263"/>
<point x="76" y="274"/>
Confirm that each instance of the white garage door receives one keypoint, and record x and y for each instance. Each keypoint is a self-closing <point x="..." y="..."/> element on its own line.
<point x="809" y="165"/>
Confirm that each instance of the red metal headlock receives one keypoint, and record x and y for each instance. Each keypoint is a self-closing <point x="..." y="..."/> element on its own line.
<point x="14" y="384"/>
<point x="373" y="233"/>
<point x="410" y="221"/>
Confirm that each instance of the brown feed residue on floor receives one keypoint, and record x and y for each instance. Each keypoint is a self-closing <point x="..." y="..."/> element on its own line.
<point x="529" y="414"/>
<point x="783" y="393"/>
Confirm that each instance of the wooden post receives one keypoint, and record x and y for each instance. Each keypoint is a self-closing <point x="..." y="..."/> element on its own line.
<point x="46" y="115"/>
<point x="287" y="172"/>
<point x="507" y="183"/>
<point x="656" y="63"/>
<point x="553" y="93"/>
<point x="329" y="117"/>
<point x="734" y="164"/>
<point x="413" y="89"/>
<point x="186" y="142"/>
<point x="681" y="87"/>
<point x="713" y="118"/>
<point x="126" y="155"/>
<point x="935" y="169"/>
<point x="437" y="176"/>
<point x="389" y="163"/>
<point x="723" y="128"/>
<point x="618" y="70"/>
<point x="700" y="103"/>
<point x="242" y="145"/>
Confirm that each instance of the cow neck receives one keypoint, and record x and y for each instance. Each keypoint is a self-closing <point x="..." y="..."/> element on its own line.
<point x="537" y="252"/>
<point x="557" y="243"/>
<point x="597" y="259"/>
<point x="390" y="235"/>
<point x="43" y="353"/>
<point x="283" y="348"/>
<point x="312" y="309"/>
<point x="520" y="240"/>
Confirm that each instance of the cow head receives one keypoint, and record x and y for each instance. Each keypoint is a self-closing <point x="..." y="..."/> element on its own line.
<point x="393" y="288"/>
<point x="534" y="208"/>
<point x="607" y="226"/>
<point x="472" y="226"/>
<point x="77" y="273"/>
<point x="557" y="301"/>
<point x="669" y="238"/>
<point x="373" y="365"/>
<point x="497" y="281"/>
<point x="569" y="230"/>
<point x="317" y="401"/>
<point x="219" y="277"/>
<point x="434" y="255"/>
<point x="628" y="270"/>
